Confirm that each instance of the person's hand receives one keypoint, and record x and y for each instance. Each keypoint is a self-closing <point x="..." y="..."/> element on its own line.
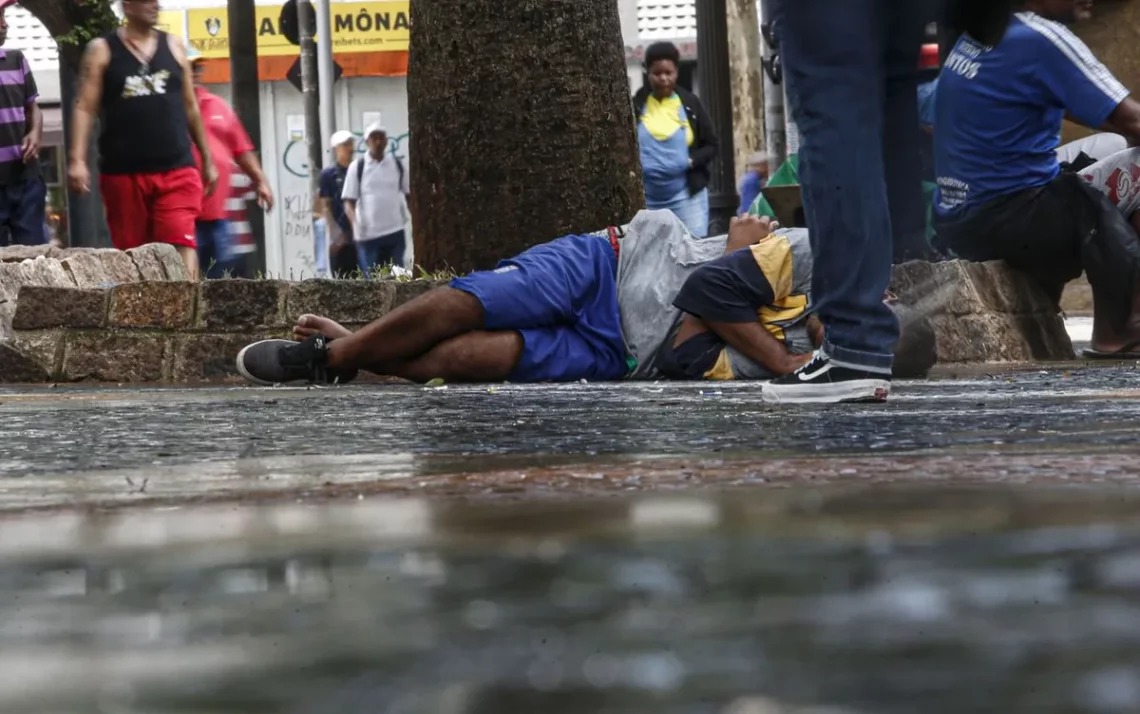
<point x="209" y="177"/>
<point x="747" y="231"/>
<point x="31" y="148"/>
<point x="78" y="177"/>
<point x="264" y="195"/>
<point x="339" y="241"/>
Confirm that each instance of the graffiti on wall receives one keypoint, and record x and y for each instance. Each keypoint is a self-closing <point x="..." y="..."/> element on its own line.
<point x="295" y="159"/>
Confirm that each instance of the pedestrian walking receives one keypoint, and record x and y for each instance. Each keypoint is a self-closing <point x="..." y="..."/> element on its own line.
<point x="136" y="78"/>
<point x="375" y="189"/>
<point x="230" y="148"/>
<point x="676" y="139"/>
<point x="341" y="248"/>
<point x="22" y="189"/>
<point x="840" y="59"/>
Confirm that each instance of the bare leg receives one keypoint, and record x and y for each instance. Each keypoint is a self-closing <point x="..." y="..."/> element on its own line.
<point x="309" y="325"/>
<point x="473" y="357"/>
<point x="408" y="331"/>
<point x="190" y="260"/>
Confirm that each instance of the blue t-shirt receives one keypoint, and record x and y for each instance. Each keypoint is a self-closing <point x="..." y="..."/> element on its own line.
<point x="998" y="110"/>
<point x="332" y="183"/>
<point x="750" y="186"/>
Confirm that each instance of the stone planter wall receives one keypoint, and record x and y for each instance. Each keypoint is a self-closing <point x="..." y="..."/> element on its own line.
<point x="173" y="331"/>
<point x="983" y="312"/>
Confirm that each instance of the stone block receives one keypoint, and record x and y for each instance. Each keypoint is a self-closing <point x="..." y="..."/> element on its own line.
<point x="235" y="305"/>
<point x="152" y="304"/>
<point x="17" y="253"/>
<point x="988" y="337"/>
<point x="406" y="291"/>
<point x="172" y="265"/>
<point x="119" y="266"/>
<point x="13" y="276"/>
<point x="86" y="270"/>
<point x="203" y="357"/>
<point x="959" y="287"/>
<point x="17" y="367"/>
<point x="346" y="301"/>
<point x="44" y="346"/>
<point x="1077" y="300"/>
<point x="147" y="262"/>
<point x="39" y="308"/>
<point x="48" y="272"/>
<point x="114" y="357"/>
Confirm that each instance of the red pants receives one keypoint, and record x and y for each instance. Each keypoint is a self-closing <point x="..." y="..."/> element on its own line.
<point x="152" y="208"/>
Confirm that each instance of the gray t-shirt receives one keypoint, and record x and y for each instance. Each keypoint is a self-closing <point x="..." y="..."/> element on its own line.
<point x="657" y="255"/>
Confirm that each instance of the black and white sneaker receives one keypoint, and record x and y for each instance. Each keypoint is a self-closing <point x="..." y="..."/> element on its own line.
<point x="272" y="362"/>
<point x="822" y="381"/>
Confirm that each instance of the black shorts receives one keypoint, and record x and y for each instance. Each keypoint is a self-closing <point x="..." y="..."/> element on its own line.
<point x="1054" y="233"/>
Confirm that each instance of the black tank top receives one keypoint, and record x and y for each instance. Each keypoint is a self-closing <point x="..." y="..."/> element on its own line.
<point x="144" y="127"/>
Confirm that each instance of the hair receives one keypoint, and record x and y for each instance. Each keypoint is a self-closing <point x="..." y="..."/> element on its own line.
<point x="662" y="51"/>
<point x="917" y="349"/>
<point x="984" y="20"/>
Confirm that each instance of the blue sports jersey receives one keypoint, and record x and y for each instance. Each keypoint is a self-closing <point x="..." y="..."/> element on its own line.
<point x="998" y="110"/>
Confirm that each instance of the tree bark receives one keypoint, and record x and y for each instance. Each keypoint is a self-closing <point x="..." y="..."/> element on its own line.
<point x="747" y="85"/>
<point x="521" y="127"/>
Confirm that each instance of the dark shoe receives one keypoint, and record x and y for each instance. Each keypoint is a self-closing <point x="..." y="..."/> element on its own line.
<point x="272" y="362"/>
<point x="820" y="381"/>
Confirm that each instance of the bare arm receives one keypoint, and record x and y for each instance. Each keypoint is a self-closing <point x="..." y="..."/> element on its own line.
<point x="757" y="344"/>
<point x="1125" y="120"/>
<point x="350" y="211"/>
<point x="87" y="104"/>
<point x="35" y="131"/>
<point x="193" y="116"/>
<point x="252" y="168"/>
<point x="326" y="210"/>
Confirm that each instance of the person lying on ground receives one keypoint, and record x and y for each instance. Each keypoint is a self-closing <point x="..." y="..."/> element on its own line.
<point x="597" y="307"/>
<point x="1002" y="194"/>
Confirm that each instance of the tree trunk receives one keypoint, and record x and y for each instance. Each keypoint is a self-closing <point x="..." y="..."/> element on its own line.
<point x="747" y="85"/>
<point x="521" y="127"/>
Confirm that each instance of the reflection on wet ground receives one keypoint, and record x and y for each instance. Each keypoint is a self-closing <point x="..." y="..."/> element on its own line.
<point x="864" y="600"/>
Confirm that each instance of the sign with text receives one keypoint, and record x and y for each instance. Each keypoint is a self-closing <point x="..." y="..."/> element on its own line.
<point x="171" y="22"/>
<point x="356" y="27"/>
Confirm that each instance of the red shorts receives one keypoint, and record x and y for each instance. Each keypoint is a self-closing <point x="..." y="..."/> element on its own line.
<point x="152" y="208"/>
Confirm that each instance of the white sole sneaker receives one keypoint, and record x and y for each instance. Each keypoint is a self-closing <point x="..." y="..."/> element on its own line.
<point x="240" y="362"/>
<point x="852" y="391"/>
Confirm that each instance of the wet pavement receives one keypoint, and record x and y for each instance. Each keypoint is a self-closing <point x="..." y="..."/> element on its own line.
<point x="972" y="546"/>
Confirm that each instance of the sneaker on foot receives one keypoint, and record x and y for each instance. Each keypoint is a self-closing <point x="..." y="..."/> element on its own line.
<point x="272" y="362"/>
<point x="821" y="381"/>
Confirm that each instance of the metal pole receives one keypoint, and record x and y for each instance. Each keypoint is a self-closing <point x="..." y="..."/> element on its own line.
<point x="775" y="138"/>
<point x="325" y="78"/>
<point x="246" y="95"/>
<point x="716" y="95"/>
<point x="305" y="25"/>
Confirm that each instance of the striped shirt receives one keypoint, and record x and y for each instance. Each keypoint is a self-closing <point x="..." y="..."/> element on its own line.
<point x="17" y="92"/>
<point x="241" y="191"/>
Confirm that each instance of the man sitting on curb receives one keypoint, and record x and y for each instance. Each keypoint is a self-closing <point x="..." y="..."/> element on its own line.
<point x="1002" y="194"/>
<point x="597" y="307"/>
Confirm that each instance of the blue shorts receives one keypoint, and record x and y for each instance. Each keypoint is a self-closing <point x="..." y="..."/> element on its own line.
<point x="561" y="297"/>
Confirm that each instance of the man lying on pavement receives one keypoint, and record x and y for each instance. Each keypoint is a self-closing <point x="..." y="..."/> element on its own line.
<point x="598" y="307"/>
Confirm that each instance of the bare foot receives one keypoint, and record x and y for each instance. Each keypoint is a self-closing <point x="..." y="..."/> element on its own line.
<point x="309" y="325"/>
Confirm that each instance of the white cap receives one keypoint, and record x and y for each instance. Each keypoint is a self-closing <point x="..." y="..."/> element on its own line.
<point x="375" y="128"/>
<point x="342" y="137"/>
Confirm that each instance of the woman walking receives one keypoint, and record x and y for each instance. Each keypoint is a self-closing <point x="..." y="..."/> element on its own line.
<point x="677" y="141"/>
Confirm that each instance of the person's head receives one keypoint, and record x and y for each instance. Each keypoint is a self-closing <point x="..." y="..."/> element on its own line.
<point x="376" y="137"/>
<point x="197" y="64"/>
<point x="344" y="146"/>
<point x="1066" y="12"/>
<point x="758" y="162"/>
<point x="3" y="26"/>
<point x="662" y="63"/>
<point x="984" y="20"/>
<point x="141" y="13"/>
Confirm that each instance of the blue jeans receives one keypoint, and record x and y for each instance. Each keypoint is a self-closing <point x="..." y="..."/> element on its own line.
<point x="693" y="210"/>
<point x="22" y="213"/>
<point x="376" y="252"/>
<point x="838" y="56"/>
<point x="215" y="248"/>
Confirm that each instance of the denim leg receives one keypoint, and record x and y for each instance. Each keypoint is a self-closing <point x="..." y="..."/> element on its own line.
<point x="902" y="150"/>
<point x="28" y="208"/>
<point x="368" y="255"/>
<point x="835" y="65"/>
